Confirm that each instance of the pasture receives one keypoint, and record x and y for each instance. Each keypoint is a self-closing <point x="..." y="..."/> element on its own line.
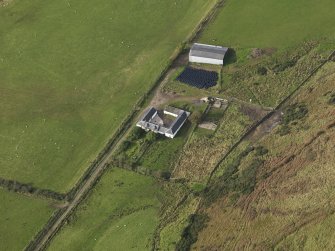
<point x="122" y="213"/>
<point x="21" y="218"/>
<point x="271" y="23"/>
<point x="70" y="73"/>
<point x="163" y="153"/>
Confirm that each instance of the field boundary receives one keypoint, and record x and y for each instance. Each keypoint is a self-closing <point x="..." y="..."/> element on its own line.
<point x="100" y="164"/>
<point x="194" y="127"/>
<point x="265" y="118"/>
<point x="29" y="190"/>
<point x="271" y="113"/>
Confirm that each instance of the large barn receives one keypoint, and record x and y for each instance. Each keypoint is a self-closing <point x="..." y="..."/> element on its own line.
<point x="207" y="54"/>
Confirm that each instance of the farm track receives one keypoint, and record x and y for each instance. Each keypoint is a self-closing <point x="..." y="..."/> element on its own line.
<point x="94" y="172"/>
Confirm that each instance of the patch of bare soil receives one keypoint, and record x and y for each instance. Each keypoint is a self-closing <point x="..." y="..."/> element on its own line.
<point x="254" y="112"/>
<point x="5" y="2"/>
<point x="161" y="98"/>
<point x="259" y="52"/>
<point x="266" y="127"/>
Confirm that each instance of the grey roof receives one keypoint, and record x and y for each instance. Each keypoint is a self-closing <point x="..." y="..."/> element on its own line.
<point x="208" y="51"/>
<point x="148" y="115"/>
<point x="178" y="123"/>
<point x="151" y="121"/>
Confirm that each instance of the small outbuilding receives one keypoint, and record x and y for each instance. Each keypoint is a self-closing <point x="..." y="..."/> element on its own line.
<point x="207" y="54"/>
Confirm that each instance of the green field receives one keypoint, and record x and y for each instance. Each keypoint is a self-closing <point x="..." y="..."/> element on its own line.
<point x="271" y="23"/>
<point x="121" y="213"/>
<point x="163" y="153"/>
<point x="70" y="73"/>
<point x="21" y="218"/>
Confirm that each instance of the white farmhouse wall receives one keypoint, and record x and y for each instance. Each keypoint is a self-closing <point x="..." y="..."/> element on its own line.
<point x="202" y="60"/>
<point x="170" y="113"/>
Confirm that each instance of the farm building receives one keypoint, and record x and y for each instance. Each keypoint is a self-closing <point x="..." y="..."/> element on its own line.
<point x="207" y="54"/>
<point x="167" y="122"/>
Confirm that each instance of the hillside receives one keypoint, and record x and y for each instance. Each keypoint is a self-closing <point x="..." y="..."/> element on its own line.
<point x="291" y="203"/>
<point x="250" y="165"/>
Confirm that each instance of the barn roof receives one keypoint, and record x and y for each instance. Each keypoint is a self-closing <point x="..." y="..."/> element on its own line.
<point x="208" y="51"/>
<point x="149" y="114"/>
<point x="178" y="123"/>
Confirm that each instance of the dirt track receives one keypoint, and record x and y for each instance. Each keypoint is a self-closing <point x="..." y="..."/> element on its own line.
<point x="87" y="184"/>
<point x="44" y="237"/>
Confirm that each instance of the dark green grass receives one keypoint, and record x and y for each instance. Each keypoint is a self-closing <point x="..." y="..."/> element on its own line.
<point x="163" y="153"/>
<point x="271" y="23"/>
<point x="70" y="72"/>
<point x="21" y="218"/>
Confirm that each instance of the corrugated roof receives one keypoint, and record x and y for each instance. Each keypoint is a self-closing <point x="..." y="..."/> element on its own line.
<point x="208" y="51"/>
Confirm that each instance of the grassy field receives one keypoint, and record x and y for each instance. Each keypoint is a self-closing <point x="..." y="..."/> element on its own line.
<point x="121" y="213"/>
<point x="172" y="230"/>
<point x="21" y="218"/>
<point x="289" y="201"/>
<point x="162" y="153"/>
<point x="70" y="73"/>
<point x="154" y="154"/>
<point x="271" y="23"/>
<point x="205" y="147"/>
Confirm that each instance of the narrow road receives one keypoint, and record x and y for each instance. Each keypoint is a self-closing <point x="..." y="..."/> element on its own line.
<point x="42" y="240"/>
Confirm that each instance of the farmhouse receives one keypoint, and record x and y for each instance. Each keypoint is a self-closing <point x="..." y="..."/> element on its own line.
<point x="207" y="54"/>
<point x="167" y="122"/>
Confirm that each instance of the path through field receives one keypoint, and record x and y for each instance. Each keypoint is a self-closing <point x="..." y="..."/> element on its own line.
<point x="42" y="240"/>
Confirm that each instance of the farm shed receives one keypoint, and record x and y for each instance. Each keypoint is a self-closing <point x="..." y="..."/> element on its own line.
<point x="207" y="54"/>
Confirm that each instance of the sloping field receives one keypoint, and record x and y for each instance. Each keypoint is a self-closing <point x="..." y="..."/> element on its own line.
<point x="21" y="218"/>
<point x="122" y="213"/>
<point x="70" y="73"/>
<point x="271" y="23"/>
<point x="205" y="148"/>
<point x="291" y="205"/>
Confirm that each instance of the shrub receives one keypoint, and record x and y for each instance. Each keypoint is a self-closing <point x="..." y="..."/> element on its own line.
<point x="295" y="112"/>
<point x="261" y="150"/>
<point x="262" y="70"/>
<point x="283" y="66"/>
<point x="332" y="99"/>
<point x="228" y="181"/>
<point x="165" y="175"/>
<point x="125" y="145"/>
<point x="284" y="130"/>
<point x="190" y="234"/>
<point x="136" y="133"/>
<point x="151" y="137"/>
<point x="247" y="179"/>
